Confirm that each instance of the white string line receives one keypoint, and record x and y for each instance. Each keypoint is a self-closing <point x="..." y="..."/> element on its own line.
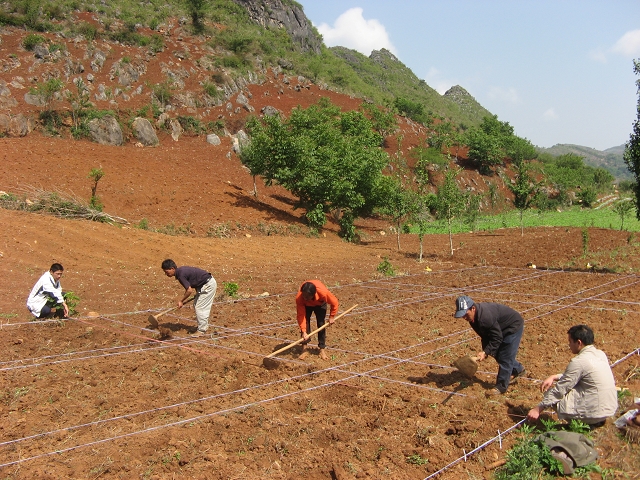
<point x="475" y="450"/>
<point x="183" y="318"/>
<point x="385" y="366"/>
<point x="635" y="352"/>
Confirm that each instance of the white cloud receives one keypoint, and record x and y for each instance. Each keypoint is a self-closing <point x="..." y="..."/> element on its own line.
<point x="351" y="30"/>
<point x="629" y="44"/>
<point x="550" y="115"/>
<point x="505" y="95"/>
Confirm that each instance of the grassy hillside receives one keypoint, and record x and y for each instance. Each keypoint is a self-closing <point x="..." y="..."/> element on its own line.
<point x="610" y="159"/>
<point x="252" y="38"/>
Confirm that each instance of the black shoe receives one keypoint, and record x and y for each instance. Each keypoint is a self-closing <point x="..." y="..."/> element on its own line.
<point x="516" y="375"/>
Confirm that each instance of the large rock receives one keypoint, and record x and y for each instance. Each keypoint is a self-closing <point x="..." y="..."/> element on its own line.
<point x="5" y="122"/>
<point x="144" y="132"/>
<point x="20" y="126"/>
<point x="176" y="129"/>
<point x="274" y="14"/>
<point x="213" y="139"/>
<point x="106" y="131"/>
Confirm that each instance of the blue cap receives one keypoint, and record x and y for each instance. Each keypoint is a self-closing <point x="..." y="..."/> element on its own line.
<point x="463" y="304"/>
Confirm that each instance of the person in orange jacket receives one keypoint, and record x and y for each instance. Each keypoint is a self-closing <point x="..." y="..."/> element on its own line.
<point x="314" y="297"/>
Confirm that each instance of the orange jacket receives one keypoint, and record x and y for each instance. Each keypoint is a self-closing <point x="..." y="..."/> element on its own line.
<point x="323" y="295"/>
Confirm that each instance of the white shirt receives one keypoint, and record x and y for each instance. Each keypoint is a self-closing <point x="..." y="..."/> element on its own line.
<point x="44" y="289"/>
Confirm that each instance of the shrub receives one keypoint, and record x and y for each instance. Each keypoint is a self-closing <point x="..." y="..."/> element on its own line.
<point x="31" y="40"/>
<point x="386" y="268"/>
<point x="230" y="289"/>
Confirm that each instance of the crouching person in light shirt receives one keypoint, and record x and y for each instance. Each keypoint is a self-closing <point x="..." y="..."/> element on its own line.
<point x="46" y="298"/>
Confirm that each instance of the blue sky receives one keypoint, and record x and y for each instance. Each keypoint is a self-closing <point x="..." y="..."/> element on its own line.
<point x="558" y="71"/>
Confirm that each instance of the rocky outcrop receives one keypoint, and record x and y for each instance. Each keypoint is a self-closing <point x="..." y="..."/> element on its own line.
<point x="144" y="132"/>
<point x="291" y="17"/>
<point x="106" y="131"/>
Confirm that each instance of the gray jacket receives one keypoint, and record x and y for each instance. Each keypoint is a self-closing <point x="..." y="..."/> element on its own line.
<point x="586" y="391"/>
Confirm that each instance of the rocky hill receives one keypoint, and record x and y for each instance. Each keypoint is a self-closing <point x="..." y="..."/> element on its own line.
<point x="610" y="159"/>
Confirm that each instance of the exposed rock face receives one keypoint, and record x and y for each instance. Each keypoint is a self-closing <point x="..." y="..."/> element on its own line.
<point x="459" y="95"/>
<point x="106" y="131"/>
<point x="20" y="126"/>
<point x="274" y="13"/>
<point x="144" y="132"/>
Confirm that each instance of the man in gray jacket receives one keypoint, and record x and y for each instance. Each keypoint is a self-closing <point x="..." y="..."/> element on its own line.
<point x="586" y="390"/>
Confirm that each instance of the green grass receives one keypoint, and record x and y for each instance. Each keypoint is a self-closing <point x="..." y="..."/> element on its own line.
<point x="574" y="217"/>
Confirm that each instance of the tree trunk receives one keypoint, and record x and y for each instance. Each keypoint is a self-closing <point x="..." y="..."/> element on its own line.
<point x="255" y="187"/>
<point x="398" y="233"/>
<point x="450" y="236"/>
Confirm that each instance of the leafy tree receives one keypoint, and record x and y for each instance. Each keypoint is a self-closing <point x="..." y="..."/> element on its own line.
<point x="330" y="160"/>
<point x="623" y="208"/>
<point x="450" y="201"/>
<point x="441" y="135"/>
<point x="632" y="147"/>
<point x="524" y="190"/>
<point x="413" y="110"/>
<point x="520" y="149"/>
<point x="399" y="204"/>
<point x="197" y="9"/>
<point x="421" y="217"/>
<point x="96" y="175"/>
<point x="79" y="102"/>
<point x="47" y="91"/>
<point x="484" y="149"/>
<point x="384" y="122"/>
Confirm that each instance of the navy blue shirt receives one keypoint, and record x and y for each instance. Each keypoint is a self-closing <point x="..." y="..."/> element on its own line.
<point x="493" y="322"/>
<point x="192" y="277"/>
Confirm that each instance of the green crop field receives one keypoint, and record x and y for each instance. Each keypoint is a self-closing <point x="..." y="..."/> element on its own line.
<point x="574" y="217"/>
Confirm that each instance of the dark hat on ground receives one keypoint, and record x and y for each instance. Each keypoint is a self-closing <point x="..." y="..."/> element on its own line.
<point x="463" y="303"/>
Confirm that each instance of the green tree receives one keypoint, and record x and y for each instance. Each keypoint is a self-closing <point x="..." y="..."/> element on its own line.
<point x="484" y="149"/>
<point x="399" y="204"/>
<point x="520" y="149"/>
<point x="383" y="122"/>
<point x="421" y="217"/>
<point x="450" y="201"/>
<point x="632" y="147"/>
<point x="329" y="159"/>
<point x="524" y="190"/>
<point x="79" y="102"/>
<point x="197" y="10"/>
<point x="623" y="208"/>
<point x="48" y="91"/>
<point x="95" y="174"/>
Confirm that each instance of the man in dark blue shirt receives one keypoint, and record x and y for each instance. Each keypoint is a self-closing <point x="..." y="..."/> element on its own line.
<point x="198" y="281"/>
<point x="500" y="328"/>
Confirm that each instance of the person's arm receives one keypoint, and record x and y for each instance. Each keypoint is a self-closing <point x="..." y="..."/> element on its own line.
<point x="548" y="382"/>
<point x="333" y="303"/>
<point x="301" y="315"/>
<point x="187" y="293"/>
<point x="492" y="339"/>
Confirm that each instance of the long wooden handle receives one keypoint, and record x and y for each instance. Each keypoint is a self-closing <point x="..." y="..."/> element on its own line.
<point x="319" y="329"/>
<point x="158" y="315"/>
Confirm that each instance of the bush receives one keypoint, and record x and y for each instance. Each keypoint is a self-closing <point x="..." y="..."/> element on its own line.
<point x="385" y="268"/>
<point x="230" y="289"/>
<point x="32" y="40"/>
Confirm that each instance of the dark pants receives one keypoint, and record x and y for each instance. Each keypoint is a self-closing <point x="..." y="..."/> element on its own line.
<point x="321" y="313"/>
<point x="46" y="312"/>
<point x="506" y="358"/>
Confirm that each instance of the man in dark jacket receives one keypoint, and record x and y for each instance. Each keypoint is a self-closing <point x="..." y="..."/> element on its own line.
<point x="500" y="329"/>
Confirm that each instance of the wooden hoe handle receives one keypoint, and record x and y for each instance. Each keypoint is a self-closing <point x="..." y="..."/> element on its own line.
<point x="310" y="334"/>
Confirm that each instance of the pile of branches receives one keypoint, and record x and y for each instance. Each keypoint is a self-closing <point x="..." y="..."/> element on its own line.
<point x="33" y="199"/>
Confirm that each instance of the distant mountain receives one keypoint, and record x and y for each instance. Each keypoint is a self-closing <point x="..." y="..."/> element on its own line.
<point x="383" y="71"/>
<point x="609" y="159"/>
